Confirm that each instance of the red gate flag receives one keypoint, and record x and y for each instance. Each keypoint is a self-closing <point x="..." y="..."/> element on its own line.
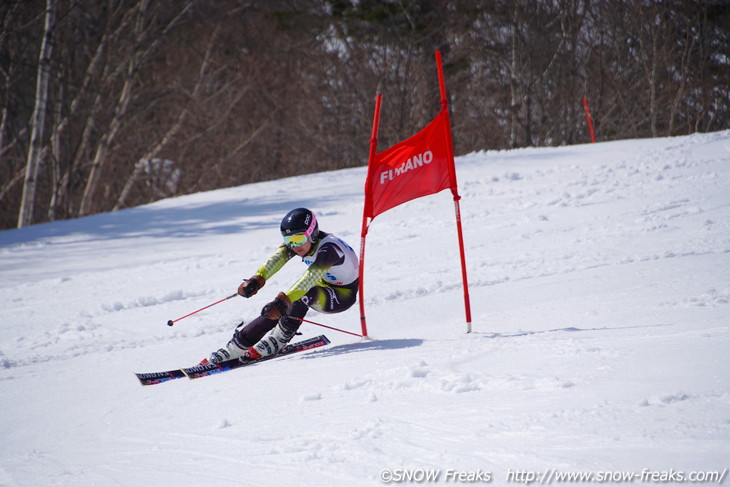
<point x="418" y="166"/>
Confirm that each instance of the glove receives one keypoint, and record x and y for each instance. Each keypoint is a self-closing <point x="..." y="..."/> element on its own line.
<point x="276" y="308"/>
<point x="251" y="286"/>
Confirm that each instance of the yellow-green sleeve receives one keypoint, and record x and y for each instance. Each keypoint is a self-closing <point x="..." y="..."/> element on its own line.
<point x="311" y="277"/>
<point x="275" y="262"/>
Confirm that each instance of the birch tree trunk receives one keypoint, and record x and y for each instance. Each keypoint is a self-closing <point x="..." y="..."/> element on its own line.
<point x="125" y="96"/>
<point x="172" y="131"/>
<point x="144" y="45"/>
<point x="25" y="216"/>
<point x="102" y="151"/>
<point x="514" y="120"/>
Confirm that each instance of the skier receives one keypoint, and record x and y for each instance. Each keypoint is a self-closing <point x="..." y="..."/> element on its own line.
<point x="328" y="285"/>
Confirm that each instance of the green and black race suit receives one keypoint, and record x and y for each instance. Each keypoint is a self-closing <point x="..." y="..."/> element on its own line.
<point x="330" y="282"/>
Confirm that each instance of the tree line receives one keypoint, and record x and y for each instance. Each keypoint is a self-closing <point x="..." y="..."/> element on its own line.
<point x="108" y="104"/>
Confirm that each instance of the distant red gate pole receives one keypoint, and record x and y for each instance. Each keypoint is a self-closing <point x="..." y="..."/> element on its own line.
<point x="589" y="120"/>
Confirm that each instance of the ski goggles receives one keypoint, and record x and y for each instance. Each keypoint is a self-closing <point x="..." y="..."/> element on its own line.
<point x="295" y="240"/>
<point x="299" y="239"/>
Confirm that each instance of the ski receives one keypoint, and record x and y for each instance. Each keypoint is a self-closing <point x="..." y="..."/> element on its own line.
<point x="210" y="369"/>
<point x="204" y="370"/>
<point x="151" y="378"/>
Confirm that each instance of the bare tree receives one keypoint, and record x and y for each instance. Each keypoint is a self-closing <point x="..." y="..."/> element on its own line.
<point x="144" y="24"/>
<point x="33" y="163"/>
<point x="141" y="100"/>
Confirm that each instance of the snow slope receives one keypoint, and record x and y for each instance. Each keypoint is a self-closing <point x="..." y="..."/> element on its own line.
<point x="600" y="288"/>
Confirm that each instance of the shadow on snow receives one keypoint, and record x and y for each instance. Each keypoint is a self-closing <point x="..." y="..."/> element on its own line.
<point x="367" y="346"/>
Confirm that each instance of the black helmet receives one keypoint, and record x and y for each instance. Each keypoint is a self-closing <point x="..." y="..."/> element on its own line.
<point x="300" y="221"/>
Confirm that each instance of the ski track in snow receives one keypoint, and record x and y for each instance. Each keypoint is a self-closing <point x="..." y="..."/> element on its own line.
<point x="600" y="290"/>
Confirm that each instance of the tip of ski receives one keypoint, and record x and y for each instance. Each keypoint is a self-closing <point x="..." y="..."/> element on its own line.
<point x="151" y="378"/>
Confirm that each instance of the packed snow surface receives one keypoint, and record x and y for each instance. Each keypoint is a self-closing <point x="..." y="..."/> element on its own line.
<point x="599" y="279"/>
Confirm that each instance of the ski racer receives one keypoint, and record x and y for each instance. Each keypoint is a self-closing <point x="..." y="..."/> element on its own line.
<point x="329" y="285"/>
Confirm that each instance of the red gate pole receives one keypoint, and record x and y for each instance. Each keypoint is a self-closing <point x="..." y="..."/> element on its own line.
<point x="454" y="189"/>
<point x="366" y="217"/>
<point x="589" y="120"/>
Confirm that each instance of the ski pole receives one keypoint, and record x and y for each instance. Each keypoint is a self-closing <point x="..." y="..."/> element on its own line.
<point x="325" y="326"/>
<point x="172" y="322"/>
